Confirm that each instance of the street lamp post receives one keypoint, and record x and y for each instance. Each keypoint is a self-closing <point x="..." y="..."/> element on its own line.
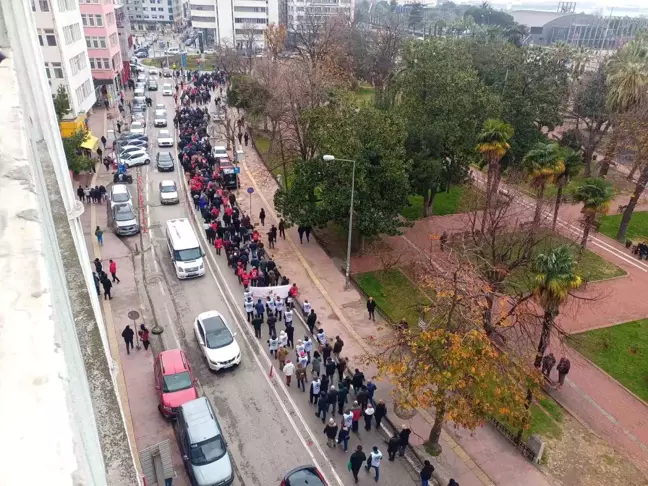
<point x="347" y="274"/>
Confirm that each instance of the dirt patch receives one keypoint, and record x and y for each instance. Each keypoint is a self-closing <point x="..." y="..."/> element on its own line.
<point x="579" y="458"/>
<point x="333" y="238"/>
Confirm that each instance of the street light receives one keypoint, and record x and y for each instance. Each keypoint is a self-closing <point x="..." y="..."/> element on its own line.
<point x="347" y="280"/>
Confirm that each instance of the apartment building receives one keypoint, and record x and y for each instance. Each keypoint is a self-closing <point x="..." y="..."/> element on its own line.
<point x="125" y="35"/>
<point x="233" y="23"/>
<point x="153" y="15"/>
<point x="60" y="35"/>
<point x="303" y="14"/>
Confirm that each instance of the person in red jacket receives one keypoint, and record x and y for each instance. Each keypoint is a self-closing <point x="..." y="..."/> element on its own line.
<point x="240" y="271"/>
<point x="294" y="291"/>
<point x="113" y="271"/>
<point x="218" y="244"/>
<point x="228" y="210"/>
<point x="254" y="275"/>
<point x="255" y="235"/>
<point x="215" y="212"/>
<point x="245" y="278"/>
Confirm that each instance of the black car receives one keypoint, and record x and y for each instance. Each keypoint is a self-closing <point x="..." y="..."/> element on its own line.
<point x="304" y="476"/>
<point x="164" y="162"/>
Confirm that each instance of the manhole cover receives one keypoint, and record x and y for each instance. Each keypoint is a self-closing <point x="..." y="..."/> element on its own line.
<point x="154" y="278"/>
<point x="133" y="315"/>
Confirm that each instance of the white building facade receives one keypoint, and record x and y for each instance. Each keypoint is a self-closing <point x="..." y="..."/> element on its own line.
<point x="233" y="23"/>
<point x="154" y="15"/>
<point x="300" y="14"/>
<point x="60" y="35"/>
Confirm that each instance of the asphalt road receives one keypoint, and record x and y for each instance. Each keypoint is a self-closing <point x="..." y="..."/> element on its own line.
<point x="269" y="428"/>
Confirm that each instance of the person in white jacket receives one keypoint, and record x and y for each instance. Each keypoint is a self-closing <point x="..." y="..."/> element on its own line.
<point x="306" y="307"/>
<point x="321" y="338"/>
<point x="308" y="347"/>
<point x="283" y="338"/>
<point x="375" y="456"/>
<point x="249" y="308"/>
<point x="289" y="371"/>
<point x="273" y="345"/>
<point x="279" y="306"/>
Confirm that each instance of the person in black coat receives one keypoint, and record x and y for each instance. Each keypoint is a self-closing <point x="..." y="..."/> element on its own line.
<point x="392" y="446"/>
<point x="357" y="381"/>
<point x="128" y="335"/>
<point x="371" y="308"/>
<point x="107" y="285"/>
<point x="381" y="412"/>
<point x="356" y="461"/>
<point x="404" y="435"/>
<point x="426" y="473"/>
<point x="311" y="320"/>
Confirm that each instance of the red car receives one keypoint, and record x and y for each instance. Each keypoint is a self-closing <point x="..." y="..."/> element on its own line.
<point x="174" y="381"/>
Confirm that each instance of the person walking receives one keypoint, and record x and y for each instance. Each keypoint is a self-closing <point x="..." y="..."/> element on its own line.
<point x="342" y="397"/>
<point x="311" y="320"/>
<point x="337" y="348"/>
<point x="392" y="446"/>
<point x="128" y="335"/>
<point x="282" y="228"/>
<point x="300" y="231"/>
<point x="301" y="377"/>
<point x="273" y="345"/>
<point x="99" y="234"/>
<point x="81" y="193"/>
<point x="240" y="137"/>
<point x="103" y="141"/>
<point x="426" y="473"/>
<point x="356" y="461"/>
<point x="548" y="362"/>
<point x="257" y="322"/>
<point x="332" y="398"/>
<point x="314" y="390"/>
<point x="289" y="371"/>
<point x="371" y="307"/>
<point x="322" y="405"/>
<point x="107" y="285"/>
<point x="316" y="364"/>
<point x="290" y="332"/>
<point x="404" y="435"/>
<point x="371" y="389"/>
<point x="375" y="456"/>
<point x="330" y="368"/>
<point x="246" y="138"/>
<point x="357" y="381"/>
<point x="282" y="355"/>
<point x="563" y="368"/>
<point x="331" y="431"/>
<point x="343" y="437"/>
<point x="249" y="308"/>
<point x="112" y="267"/>
<point x="380" y="412"/>
<point x="356" y="410"/>
<point x="260" y="309"/>
<point x="95" y="277"/>
<point x="98" y="267"/>
<point x="341" y="367"/>
<point x="262" y="216"/>
<point x="368" y="416"/>
<point x="144" y="336"/>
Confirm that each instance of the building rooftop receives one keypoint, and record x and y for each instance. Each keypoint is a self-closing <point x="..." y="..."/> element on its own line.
<point x="535" y="18"/>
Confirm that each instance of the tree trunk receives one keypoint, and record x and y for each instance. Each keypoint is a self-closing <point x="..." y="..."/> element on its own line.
<point x="557" y="204"/>
<point x="426" y="200"/>
<point x="432" y="444"/>
<point x="587" y="161"/>
<point x="547" y="325"/>
<point x="538" y="208"/>
<point x="633" y="171"/>
<point x="491" y="191"/>
<point x="488" y="313"/>
<point x="627" y="214"/>
<point x="589" y="221"/>
<point x="610" y="150"/>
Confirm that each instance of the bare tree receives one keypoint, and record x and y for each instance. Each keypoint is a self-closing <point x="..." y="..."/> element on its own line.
<point x="384" y="50"/>
<point x="275" y="37"/>
<point x="249" y="44"/>
<point x="229" y="59"/>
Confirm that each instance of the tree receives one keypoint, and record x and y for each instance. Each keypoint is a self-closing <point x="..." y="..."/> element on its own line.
<point x="275" y="36"/>
<point x="543" y="164"/>
<point x="249" y="44"/>
<point x="76" y="160"/>
<point x="415" y="16"/>
<point x="442" y="102"/>
<point x="246" y="93"/>
<point x="373" y="139"/>
<point x="555" y="278"/>
<point x="492" y="143"/>
<point x="595" y="195"/>
<point x="61" y="103"/>
<point x="573" y="163"/>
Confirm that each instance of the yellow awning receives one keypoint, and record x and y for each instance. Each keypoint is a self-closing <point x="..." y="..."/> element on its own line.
<point x="91" y="142"/>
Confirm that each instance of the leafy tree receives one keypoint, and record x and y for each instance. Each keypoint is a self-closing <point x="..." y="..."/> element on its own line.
<point x="76" y="160"/>
<point x="321" y="191"/>
<point x="543" y="164"/>
<point x="415" y="16"/>
<point x="595" y="195"/>
<point x="61" y="103"/>
<point x="573" y="163"/>
<point x="555" y="278"/>
<point x="248" y="94"/>
<point x="493" y="143"/>
<point x="442" y="102"/>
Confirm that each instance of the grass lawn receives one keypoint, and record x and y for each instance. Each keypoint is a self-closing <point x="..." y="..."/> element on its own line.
<point x="546" y="417"/>
<point x="637" y="230"/>
<point x="444" y="203"/>
<point x="192" y="62"/>
<point x="365" y="94"/>
<point x="590" y="266"/>
<point x="262" y="142"/>
<point x="622" y="351"/>
<point x="394" y="293"/>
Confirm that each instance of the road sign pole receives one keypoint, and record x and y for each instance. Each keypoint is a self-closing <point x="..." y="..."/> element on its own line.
<point x="250" y="190"/>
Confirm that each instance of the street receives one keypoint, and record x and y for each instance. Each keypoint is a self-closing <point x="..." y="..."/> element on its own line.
<point x="269" y="428"/>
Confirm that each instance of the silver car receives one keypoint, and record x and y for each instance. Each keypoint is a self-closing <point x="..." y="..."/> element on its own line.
<point x="203" y="448"/>
<point x="125" y="220"/>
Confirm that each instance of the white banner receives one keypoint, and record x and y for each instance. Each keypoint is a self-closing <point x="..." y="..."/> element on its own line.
<point x="264" y="292"/>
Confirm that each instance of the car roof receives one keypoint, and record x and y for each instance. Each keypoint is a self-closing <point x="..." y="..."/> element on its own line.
<point x="117" y="188"/>
<point x="165" y="153"/>
<point x="200" y="420"/>
<point x="123" y="207"/>
<point x="168" y="183"/>
<point x="304" y="476"/>
<point x="172" y="362"/>
<point x="212" y="320"/>
<point x="164" y="132"/>
<point x="136" y="122"/>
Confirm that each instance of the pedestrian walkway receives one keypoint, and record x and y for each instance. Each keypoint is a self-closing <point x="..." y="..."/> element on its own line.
<point x="343" y="313"/>
<point x="145" y="425"/>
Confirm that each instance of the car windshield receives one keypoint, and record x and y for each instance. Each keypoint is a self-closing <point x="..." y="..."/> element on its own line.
<point x="216" y="333"/>
<point x="124" y="214"/>
<point x="136" y="125"/>
<point x="207" y="451"/>
<point x="165" y="158"/>
<point x="187" y="255"/>
<point x="177" y="382"/>
<point x="167" y="189"/>
<point x="164" y="134"/>
<point x="120" y="197"/>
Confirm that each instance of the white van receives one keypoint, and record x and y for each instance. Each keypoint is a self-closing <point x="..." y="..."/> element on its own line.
<point x="185" y="250"/>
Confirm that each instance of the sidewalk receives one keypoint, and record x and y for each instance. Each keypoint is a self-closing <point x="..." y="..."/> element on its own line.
<point x="145" y="425"/>
<point x="494" y="460"/>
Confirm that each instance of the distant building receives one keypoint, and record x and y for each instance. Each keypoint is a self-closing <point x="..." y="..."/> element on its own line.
<point x="578" y="29"/>
<point x="298" y="13"/>
<point x="125" y="36"/>
<point x="154" y="15"/>
<point x="60" y="35"/>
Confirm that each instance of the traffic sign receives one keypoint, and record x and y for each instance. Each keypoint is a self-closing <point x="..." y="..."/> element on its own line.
<point x="237" y="170"/>
<point x="250" y="190"/>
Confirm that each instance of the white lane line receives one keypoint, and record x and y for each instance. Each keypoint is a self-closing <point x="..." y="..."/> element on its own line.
<point x="246" y="334"/>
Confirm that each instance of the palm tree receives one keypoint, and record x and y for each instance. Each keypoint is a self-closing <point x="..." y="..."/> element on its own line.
<point x="543" y="163"/>
<point x="580" y="57"/>
<point x="555" y="278"/>
<point x="493" y="143"/>
<point x="573" y="161"/>
<point x="628" y="88"/>
<point x="596" y="195"/>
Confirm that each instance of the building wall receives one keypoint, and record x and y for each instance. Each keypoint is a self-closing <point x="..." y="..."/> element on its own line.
<point x="125" y="40"/>
<point x="318" y="10"/>
<point x="99" y="22"/>
<point x="153" y="14"/>
<point x="60" y="34"/>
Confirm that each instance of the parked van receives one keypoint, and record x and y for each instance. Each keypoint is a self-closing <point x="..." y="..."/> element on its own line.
<point x="202" y="445"/>
<point x="185" y="250"/>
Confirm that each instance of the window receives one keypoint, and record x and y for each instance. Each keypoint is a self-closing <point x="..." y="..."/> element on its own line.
<point x="244" y="20"/>
<point x="44" y="5"/>
<point x="113" y="39"/>
<point x="96" y="42"/>
<point x="65" y="5"/>
<point x="40" y="37"/>
<point x="71" y="33"/>
<point x="106" y="63"/>
<point x="110" y="18"/>
<point x="83" y="91"/>
<point x="250" y="9"/>
<point x="47" y="71"/>
<point x="58" y="70"/>
<point x="203" y="19"/>
<point x="99" y="20"/>
<point x="161" y="9"/>
<point x="50" y="37"/>
<point x="209" y="8"/>
<point x="78" y="62"/>
<point x="247" y="31"/>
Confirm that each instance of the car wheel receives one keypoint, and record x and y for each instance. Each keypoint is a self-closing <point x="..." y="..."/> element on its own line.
<point x="147" y="162"/>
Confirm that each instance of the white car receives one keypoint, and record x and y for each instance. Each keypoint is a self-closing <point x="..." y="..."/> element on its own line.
<point x="133" y="159"/>
<point x="167" y="90"/>
<point x="219" y="151"/>
<point x="160" y="106"/>
<point x="153" y="72"/>
<point x="119" y="194"/>
<point x="138" y="127"/>
<point x="140" y="116"/>
<point x="130" y="148"/>
<point x="172" y="50"/>
<point x="216" y="341"/>
<point x="169" y="193"/>
<point x="160" y="119"/>
<point x="165" y="139"/>
<point x="210" y="51"/>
